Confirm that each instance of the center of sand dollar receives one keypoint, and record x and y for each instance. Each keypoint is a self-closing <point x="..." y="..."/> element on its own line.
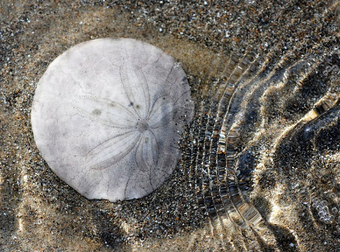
<point x="142" y="125"/>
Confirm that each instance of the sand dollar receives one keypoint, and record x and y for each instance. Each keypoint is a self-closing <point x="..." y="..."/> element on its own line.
<point x="107" y="116"/>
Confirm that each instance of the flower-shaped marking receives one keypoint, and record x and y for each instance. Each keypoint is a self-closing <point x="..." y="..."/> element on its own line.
<point x="140" y="121"/>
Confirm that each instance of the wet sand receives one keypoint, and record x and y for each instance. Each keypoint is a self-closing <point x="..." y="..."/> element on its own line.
<point x="39" y="212"/>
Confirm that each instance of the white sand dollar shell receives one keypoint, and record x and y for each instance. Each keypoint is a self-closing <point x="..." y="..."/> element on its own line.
<point x="107" y="116"/>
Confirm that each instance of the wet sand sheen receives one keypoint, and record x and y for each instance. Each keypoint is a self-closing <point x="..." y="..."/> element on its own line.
<point x="281" y="127"/>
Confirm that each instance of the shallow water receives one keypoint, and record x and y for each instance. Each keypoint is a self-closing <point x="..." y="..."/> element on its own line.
<point x="260" y="162"/>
